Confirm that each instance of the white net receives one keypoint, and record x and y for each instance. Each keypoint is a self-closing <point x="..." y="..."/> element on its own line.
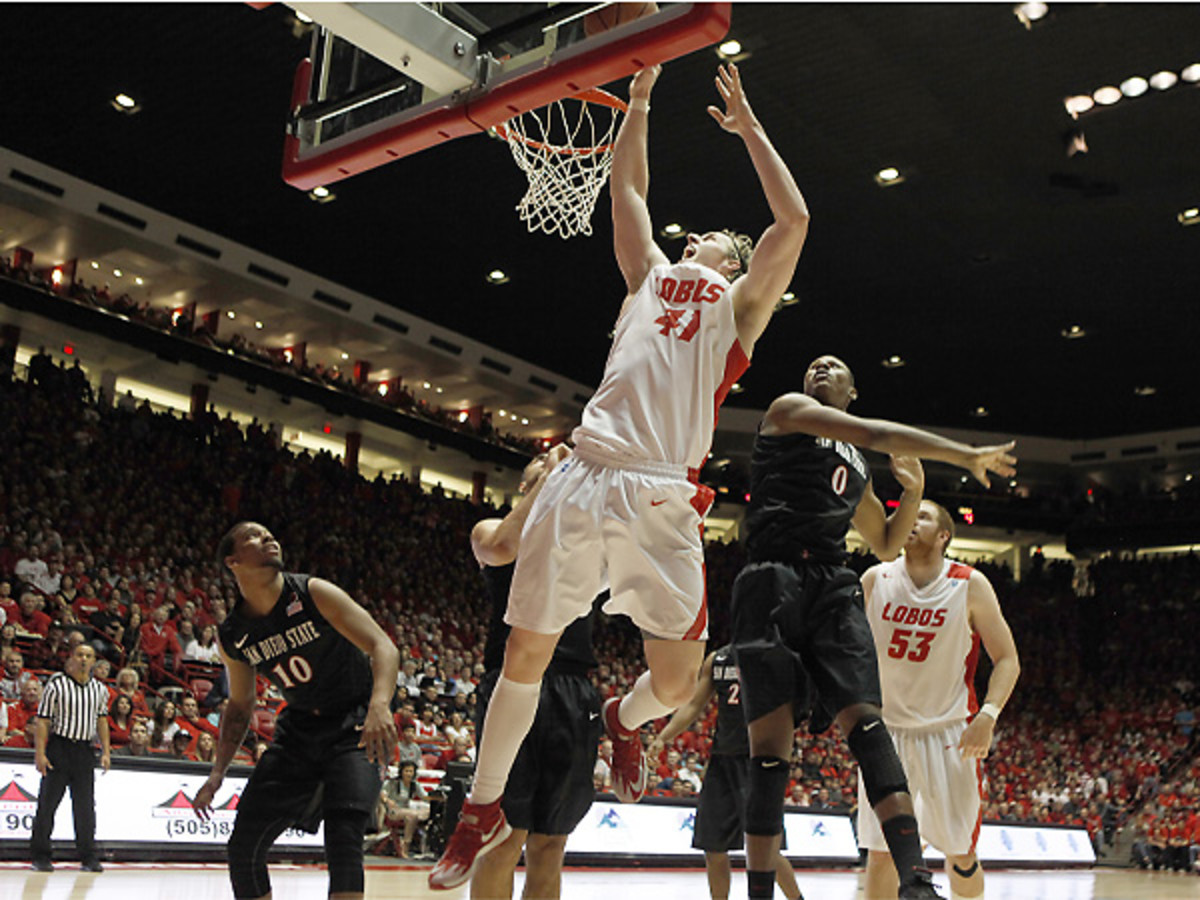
<point x="565" y="151"/>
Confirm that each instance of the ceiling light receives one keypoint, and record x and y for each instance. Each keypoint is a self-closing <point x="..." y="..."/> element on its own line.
<point x="524" y="421"/>
<point x="1189" y="216"/>
<point x="345" y="356"/>
<point x="674" y="229"/>
<point x="730" y="48"/>
<point x="258" y="325"/>
<point x="1107" y="95"/>
<point x="1072" y="332"/>
<point x="1145" y="390"/>
<point x="497" y="276"/>
<point x="1160" y="81"/>
<point x="139" y="280"/>
<point x="439" y="390"/>
<point x="322" y="194"/>
<point x="304" y="19"/>
<point x="425" y="385"/>
<point x="788" y="299"/>
<point x="1013" y="483"/>
<point x="1080" y="103"/>
<point x="117" y="273"/>
<point x="1191" y="74"/>
<point x="123" y="103"/>
<point x="502" y="412"/>
<point x="1187" y="477"/>
<point x="1135" y="86"/>
<point x="56" y="277"/>
<point x="383" y="389"/>
<point x="736" y="388"/>
<point x="889" y="176"/>
<point x="95" y="265"/>
<point x="1030" y="12"/>
<point x="980" y="412"/>
<point x="893" y="362"/>
<point x="231" y="314"/>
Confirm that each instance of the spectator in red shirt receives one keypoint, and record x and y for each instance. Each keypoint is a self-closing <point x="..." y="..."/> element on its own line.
<point x="127" y="684"/>
<point x="86" y="603"/>
<point x="26" y="708"/>
<point x="30" y="619"/>
<point x="120" y="720"/>
<point x="160" y="646"/>
<point x="14" y="675"/>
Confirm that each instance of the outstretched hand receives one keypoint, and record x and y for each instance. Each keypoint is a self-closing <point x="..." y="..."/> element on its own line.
<point x="909" y="472"/>
<point x="737" y="115"/>
<point x="643" y="82"/>
<point x="996" y="459"/>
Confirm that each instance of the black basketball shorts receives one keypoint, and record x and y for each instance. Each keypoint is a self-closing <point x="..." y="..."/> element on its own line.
<point x="550" y="786"/>
<point x="721" y="812"/>
<point x="800" y="636"/>
<point x="313" y="765"/>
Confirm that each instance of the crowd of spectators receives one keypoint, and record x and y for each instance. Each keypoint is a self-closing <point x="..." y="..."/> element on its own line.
<point x="394" y="394"/>
<point x="109" y="516"/>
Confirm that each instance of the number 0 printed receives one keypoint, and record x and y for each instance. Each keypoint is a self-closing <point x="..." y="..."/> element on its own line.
<point x="840" y="476"/>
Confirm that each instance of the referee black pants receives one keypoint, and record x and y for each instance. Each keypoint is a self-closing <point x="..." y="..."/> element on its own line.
<point x="74" y="765"/>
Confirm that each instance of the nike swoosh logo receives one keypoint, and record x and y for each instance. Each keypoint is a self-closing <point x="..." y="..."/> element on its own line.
<point x="657" y="502"/>
<point x="593" y="716"/>
<point x="495" y="828"/>
<point x="870" y="726"/>
<point x="771" y="763"/>
<point x="238" y="643"/>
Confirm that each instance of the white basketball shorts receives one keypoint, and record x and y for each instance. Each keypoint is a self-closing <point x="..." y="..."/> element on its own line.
<point x="945" y="788"/>
<point x="636" y="528"/>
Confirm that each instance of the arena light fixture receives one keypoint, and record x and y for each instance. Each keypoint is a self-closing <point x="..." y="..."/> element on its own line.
<point x="437" y="390"/>
<point x="889" y="176"/>
<point x="788" y="299"/>
<point x="383" y="389"/>
<point x="1189" y="216"/>
<point x="1074" y="332"/>
<point x="980" y="412"/>
<point x="497" y="276"/>
<point x="56" y="277"/>
<point x="345" y="355"/>
<point x="730" y="48"/>
<point x="321" y="194"/>
<point x="895" y="361"/>
<point x="1145" y="390"/>
<point x="258" y="325"/>
<point x="125" y="104"/>
<point x="425" y="385"/>
<point x="1135" y="86"/>
<point x="303" y="18"/>
<point x="231" y="314"/>
<point x="672" y="229"/>
<point x="1163" y="80"/>
<point x="1107" y="95"/>
<point x="95" y="265"/>
<point x="117" y="273"/>
<point x="139" y="280"/>
<point x="1080" y="103"/>
<point x="1191" y="74"/>
<point x="736" y="388"/>
<point x="524" y="421"/>
<point x="1028" y="13"/>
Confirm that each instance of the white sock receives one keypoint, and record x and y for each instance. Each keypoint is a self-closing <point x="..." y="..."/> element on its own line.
<point x="509" y="717"/>
<point x="640" y="705"/>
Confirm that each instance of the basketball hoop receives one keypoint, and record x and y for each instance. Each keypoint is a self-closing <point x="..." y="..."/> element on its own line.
<point x="565" y="150"/>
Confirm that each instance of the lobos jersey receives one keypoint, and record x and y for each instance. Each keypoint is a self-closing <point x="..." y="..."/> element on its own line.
<point x="674" y="357"/>
<point x="926" y="648"/>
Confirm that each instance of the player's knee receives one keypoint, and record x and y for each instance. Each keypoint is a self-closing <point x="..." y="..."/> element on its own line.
<point x="882" y="773"/>
<point x="764" y="801"/>
<point x="247" y="856"/>
<point x="344" y="830"/>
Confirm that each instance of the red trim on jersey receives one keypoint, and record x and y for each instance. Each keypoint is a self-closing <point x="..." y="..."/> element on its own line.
<point x="958" y="570"/>
<point x="969" y="674"/>
<point x="982" y="799"/>
<point x="736" y="364"/>
<point x="701" y="501"/>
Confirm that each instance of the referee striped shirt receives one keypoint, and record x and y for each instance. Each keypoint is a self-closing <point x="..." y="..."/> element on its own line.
<point x="73" y="708"/>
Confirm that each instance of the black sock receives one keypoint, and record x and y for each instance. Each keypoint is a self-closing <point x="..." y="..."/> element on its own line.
<point x="904" y="842"/>
<point x="760" y="884"/>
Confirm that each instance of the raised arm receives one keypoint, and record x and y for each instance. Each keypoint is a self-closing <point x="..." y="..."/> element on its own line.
<point x="629" y="184"/>
<point x="778" y="250"/>
<point x="886" y="534"/>
<point x="495" y="541"/>
<point x="235" y="721"/>
<point x="801" y="413"/>
<point x="988" y="621"/>
<point x="356" y="625"/>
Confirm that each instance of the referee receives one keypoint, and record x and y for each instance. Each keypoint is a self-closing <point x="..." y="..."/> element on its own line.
<point x="73" y="710"/>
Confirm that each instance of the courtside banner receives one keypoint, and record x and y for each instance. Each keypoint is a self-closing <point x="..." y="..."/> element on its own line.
<point x="133" y="806"/>
<point x="1012" y="843"/>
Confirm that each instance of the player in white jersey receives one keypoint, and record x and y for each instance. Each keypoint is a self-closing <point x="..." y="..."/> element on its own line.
<point x="928" y="616"/>
<point x="626" y="509"/>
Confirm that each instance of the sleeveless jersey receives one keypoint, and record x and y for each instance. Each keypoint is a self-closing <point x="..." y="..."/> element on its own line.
<point x="926" y="648"/>
<point x="732" y="738"/>
<point x="804" y="491"/>
<point x="572" y="656"/>
<point x="673" y="359"/>
<point x="294" y="646"/>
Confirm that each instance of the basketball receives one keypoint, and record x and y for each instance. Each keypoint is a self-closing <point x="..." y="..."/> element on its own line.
<point x="615" y="14"/>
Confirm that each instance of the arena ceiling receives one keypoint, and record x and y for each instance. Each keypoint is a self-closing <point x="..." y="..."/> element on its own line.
<point x="970" y="270"/>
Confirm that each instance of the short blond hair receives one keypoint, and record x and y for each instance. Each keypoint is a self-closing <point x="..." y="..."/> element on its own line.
<point x="945" y="522"/>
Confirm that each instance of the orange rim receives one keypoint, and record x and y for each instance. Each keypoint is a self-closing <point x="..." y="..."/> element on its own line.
<point x="594" y="95"/>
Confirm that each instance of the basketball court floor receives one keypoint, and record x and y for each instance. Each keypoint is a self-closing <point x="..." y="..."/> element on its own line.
<point x="306" y="882"/>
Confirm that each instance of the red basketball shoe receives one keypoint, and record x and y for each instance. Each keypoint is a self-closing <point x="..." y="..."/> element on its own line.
<point x="480" y="830"/>
<point x="628" y="762"/>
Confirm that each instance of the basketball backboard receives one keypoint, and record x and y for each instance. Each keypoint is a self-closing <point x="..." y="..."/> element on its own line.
<point x="385" y="80"/>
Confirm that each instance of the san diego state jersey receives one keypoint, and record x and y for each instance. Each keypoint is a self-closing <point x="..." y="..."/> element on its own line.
<point x="804" y="491"/>
<point x="294" y="646"/>
<point x="926" y="648"/>
<point x="673" y="359"/>
<point x="731" y="738"/>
